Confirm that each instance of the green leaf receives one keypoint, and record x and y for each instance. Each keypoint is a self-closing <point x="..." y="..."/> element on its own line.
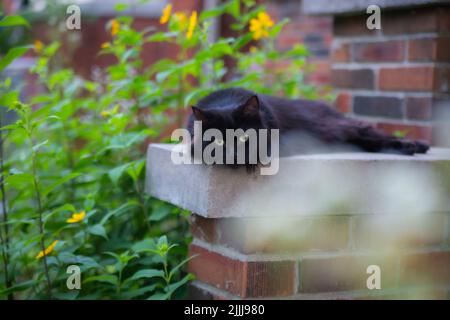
<point x="178" y="266"/>
<point x="117" y="172"/>
<point x="98" y="230"/>
<point x="12" y="54"/>
<point x="19" y="287"/>
<point x="121" y="6"/>
<point x="161" y="36"/>
<point x="144" y="245"/>
<point x="36" y="147"/>
<point x="122" y="209"/>
<point x="11" y="21"/>
<point x="159" y="213"/>
<point x="138" y="292"/>
<point x="111" y="279"/>
<point x="148" y="273"/>
<point x="159" y="296"/>
<point x="174" y="286"/>
<point x="19" y="180"/>
<point x="59" y="182"/>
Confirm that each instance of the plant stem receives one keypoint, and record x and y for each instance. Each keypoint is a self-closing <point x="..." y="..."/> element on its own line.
<point x="181" y="89"/>
<point x="41" y="222"/>
<point x="4" y="241"/>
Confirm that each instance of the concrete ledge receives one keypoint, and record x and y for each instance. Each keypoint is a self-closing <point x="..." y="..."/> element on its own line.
<point x="336" y="184"/>
<point x="338" y="7"/>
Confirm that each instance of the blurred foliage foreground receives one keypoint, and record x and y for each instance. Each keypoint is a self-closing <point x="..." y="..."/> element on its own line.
<point x="73" y="163"/>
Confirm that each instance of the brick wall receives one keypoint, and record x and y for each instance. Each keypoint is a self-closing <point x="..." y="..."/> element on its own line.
<point x="312" y="230"/>
<point x="397" y="77"/>
<point x="325" y="258"/>
<point x="314" y="31"/>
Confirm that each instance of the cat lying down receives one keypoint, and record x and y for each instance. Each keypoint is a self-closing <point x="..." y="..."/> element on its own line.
<point x="304" y="126"/>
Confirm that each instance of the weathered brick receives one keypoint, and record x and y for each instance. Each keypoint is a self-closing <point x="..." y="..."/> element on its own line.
<point x="407" y="78"/>
<point x="347" y="26"/>
<point x="414" y="21"/>
<point x="344" y="273"/>
<point x="398" y="231"/>
<point x="419" y="108"/>
<point x="444" y="19"/>
<point x="340" y="52"/>
<point x="386" y="51"/>
<point x="429" y="49"/>
<point x="353" y="78"/>
<point x="425" y="268"/>
<point x="274" y="235"/>
<point x="411" y="131"/>
<point x="246" y="279"/>
<point x="389" y="107"/>
<point x="343" y="102"/>
<point x="203" y="228"/>
<point x="442" y="79"/>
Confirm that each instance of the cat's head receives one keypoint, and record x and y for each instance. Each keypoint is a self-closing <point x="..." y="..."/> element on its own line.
<point x="240" y="117"/>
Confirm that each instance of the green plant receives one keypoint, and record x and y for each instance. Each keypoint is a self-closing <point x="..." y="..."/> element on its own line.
<point x="74" y="171"/>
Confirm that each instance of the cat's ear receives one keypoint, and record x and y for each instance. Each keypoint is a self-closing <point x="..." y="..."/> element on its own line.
<point x="250" y="109"/>
<point x="199" y="114"/>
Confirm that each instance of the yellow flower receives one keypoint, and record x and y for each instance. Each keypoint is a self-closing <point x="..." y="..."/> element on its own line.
<point x="253" y="49"/>
<point x="77" y="217"/>
<point x="182" y="19"/>
<point x="166" y="14"/>
<point x="260" y="25"/>
<point x="38" y="46"/>
<point x="47" y="250"/>
<point x="113" y="111"/>
<point x="115" y="26"/>
<point x="105" y="45"/>
<point x="192" y="24"/>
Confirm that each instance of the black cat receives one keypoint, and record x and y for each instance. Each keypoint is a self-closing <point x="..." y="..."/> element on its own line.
<point x="304" y="126"/>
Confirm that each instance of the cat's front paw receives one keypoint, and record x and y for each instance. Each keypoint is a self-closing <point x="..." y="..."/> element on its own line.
<point x="421" y="147"/>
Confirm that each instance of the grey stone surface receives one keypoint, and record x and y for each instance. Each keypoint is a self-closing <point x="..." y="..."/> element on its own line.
<point x="338" y="183"/>
<point x="336" y="7"/>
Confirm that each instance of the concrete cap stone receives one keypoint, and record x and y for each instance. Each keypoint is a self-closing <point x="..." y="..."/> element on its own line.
<point x="336" y="183"/>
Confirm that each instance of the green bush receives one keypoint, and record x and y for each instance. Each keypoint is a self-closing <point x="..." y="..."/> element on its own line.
<point x="73" y="174"/>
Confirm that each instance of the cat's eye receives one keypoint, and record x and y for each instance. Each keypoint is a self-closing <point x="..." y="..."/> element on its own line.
<point x="219" y="142"/>
<point x="243" y="138"/>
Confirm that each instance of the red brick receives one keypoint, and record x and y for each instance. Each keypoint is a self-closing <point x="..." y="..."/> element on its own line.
<point x="413" y="21"/>
<point x="344" y="273"/>
<point x="274" y="235"/>
<point x="407" y="79"/>
<point x="353" y="78"/>
<point x="386" y="51"/>
<point x="429" y="49"/>
<point x="203" y="228"/>
<point x="246" y="279"/>
<point x="341" y="53"/>
<point x="442" y="79"/>
<point x="425" y="268"/>
<point x="412" y="131"/>
<point x="348" y="26"/>
<point x="398" y="231"/>
<point x="381" y="106"/>
<point x="419" y="108"/>
<point x="444" y="19"/>
<point x="343" y="102"/>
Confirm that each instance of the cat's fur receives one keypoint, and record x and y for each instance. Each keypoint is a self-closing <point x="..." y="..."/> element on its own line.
<point x="305" y="126"/>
